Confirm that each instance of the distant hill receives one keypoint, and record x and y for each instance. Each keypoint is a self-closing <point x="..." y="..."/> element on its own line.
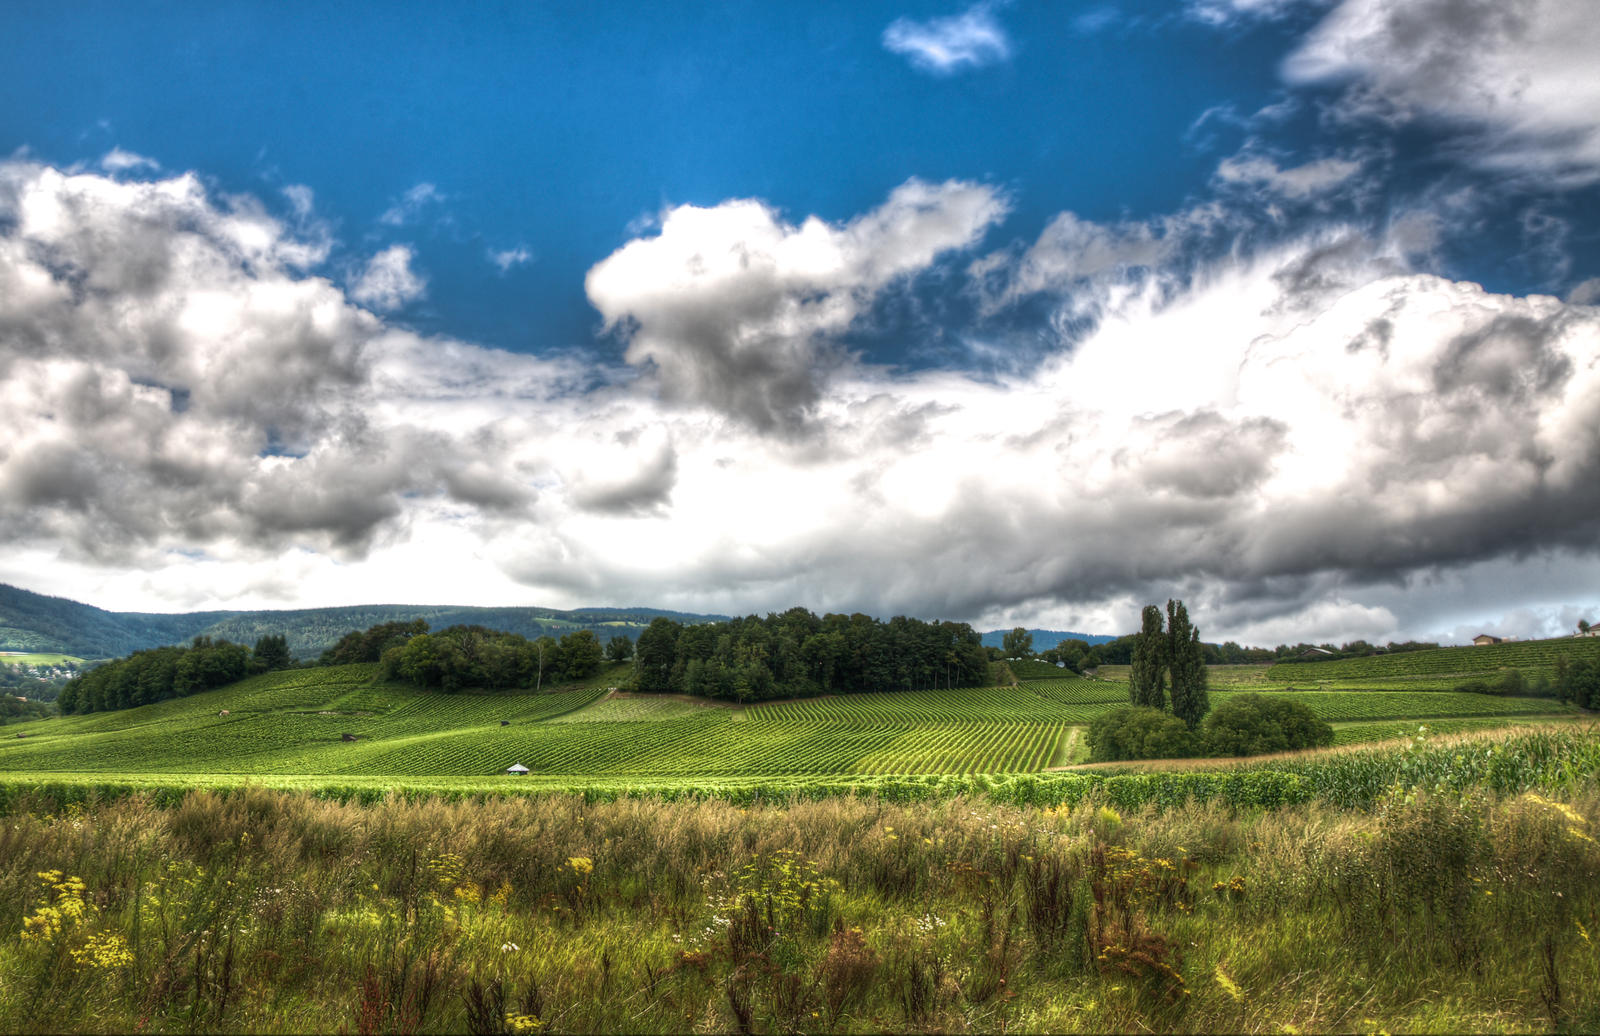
<point x="35" y="622"/>
<point x="1044" y="640"/>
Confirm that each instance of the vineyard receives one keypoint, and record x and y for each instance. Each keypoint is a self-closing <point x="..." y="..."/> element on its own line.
<point x="341" y="723"/>
<point x="1502" y="761"/>
<point x="1532" y="657"/>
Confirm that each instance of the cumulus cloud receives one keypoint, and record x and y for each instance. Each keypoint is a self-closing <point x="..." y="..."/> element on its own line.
<point x="387" y="282"/>
<point x="944" y="46"/>
<point x="1308" y="441"/>
<point x="170" y="376"/>
<point x="736" y="309"/>
<point x="631" y="477"/>
<point x="1518" y="75"/>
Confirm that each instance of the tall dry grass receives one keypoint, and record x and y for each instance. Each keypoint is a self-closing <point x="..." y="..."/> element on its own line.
<point x="264" y="911"/>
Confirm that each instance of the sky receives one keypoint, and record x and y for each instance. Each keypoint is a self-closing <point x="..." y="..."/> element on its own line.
<point x="1011" y="313"/>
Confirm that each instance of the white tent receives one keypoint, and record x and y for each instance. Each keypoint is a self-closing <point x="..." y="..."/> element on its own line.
<point x="517" y="768"/>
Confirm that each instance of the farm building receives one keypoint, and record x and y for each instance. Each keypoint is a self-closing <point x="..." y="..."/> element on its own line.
<point x="1483" y="638"/>
<point x="517" y="768"/>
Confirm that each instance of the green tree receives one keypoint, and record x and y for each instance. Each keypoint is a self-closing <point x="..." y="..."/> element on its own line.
<point x="1252" y="724"/>
<point x="1147" y="681"/>
<point x="1187" y="664"/>
<point x="1017" y="644"/>
<point x="619" y="648"/>
<point x="1139" y="733"/>
<point x="656" y="651"/>
<point x="271" y="653"/>
<point x="581" y="654"/>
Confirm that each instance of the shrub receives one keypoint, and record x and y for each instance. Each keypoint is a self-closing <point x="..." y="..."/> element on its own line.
<point x="1253" y="724"/>
<point x="1139" y="732"/>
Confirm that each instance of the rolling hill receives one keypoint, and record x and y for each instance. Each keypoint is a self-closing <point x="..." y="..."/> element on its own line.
<point x="35" y="622"/>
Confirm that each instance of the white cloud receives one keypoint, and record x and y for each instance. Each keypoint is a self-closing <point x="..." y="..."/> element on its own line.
<point x="951" y="44"/>
<point x="1230" y="12"/>
<point x="410" y="205"/>
<point x="1296" y="183"/>
<point x="736" y="309"/>
<point x="387" y="282"/>
<point x="1072" y="251"/>
<point x="119" y="161"/>
<point x="1518" y="75"/>
<point x="1303" y="443"/>
<point x="301" y="199"/>
<point x="506" y="259"/>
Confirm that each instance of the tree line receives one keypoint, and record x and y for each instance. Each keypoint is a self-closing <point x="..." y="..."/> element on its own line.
<point x="800" y="654"/>
<point x="463" y="657"/>
<point x="1578" y="680"/>
<point x="156" y="674"/>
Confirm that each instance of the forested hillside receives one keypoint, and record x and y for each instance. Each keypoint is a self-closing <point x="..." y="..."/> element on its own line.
<point x="35" y="622"/>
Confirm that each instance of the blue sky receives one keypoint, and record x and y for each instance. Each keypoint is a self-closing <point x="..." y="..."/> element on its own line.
<point x="466" y="326"/>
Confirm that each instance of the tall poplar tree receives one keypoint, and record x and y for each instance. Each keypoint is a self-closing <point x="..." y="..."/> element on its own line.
<point x="1190" y="702"/>
<point x="1147" y="680"/>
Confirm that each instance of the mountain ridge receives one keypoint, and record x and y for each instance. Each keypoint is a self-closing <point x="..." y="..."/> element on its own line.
<point x="31" y="621"/>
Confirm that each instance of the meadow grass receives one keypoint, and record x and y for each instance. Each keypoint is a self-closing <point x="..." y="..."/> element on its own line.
<point x="271" y="911"/>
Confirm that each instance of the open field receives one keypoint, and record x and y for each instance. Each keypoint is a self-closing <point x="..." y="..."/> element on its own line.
<point x="337" y="725"/>
<point x="1449" y="887"/>
<point x="37" y="658"/>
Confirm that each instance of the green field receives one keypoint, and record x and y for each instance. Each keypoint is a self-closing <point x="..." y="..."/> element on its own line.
<point x="1532" y="657"/>
<point x="37" y="658"/>
<point x="341" y="724"/>
<point x="1443" y="669"/>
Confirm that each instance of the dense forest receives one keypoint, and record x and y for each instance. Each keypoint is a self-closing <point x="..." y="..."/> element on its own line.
<point x="146" y="677"/>
<point x="798" y="654"/>
<point x="463" y="657"/>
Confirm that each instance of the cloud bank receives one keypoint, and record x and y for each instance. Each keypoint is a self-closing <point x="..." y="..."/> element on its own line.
<point x="1308" y="439"/>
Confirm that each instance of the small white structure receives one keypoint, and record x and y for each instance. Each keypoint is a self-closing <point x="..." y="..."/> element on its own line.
<point x="517" y="768"/>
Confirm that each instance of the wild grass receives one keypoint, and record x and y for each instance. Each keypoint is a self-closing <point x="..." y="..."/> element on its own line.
<point x="270" y="911"/>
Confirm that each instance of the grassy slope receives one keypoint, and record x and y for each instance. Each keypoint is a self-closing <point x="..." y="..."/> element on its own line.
<point x="1442" y="669"/>
<point x="292" y="724"/>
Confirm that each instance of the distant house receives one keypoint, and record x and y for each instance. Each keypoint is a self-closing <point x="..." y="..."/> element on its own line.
<point x="1483" y="638"/>
<point x="517" y="768"/>
<point x="1316" y="652"/>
